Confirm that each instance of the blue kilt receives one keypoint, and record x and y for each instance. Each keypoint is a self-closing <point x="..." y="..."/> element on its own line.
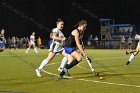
<point x="69" y="50"/>
<point x="2" y="45"/>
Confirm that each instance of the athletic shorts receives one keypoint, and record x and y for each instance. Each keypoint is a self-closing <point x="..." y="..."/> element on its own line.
<point x="50" y="42"/>
<point x="56" y="48"/>
<point x="2" y="45"/>
<point x="69" y="50"/>
<point x="32" y="43"/>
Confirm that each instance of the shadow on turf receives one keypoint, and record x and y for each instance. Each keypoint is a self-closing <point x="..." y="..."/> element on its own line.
<point x="25" y="81"/>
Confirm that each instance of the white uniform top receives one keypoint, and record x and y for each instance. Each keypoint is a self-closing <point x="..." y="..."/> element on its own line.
<point x="57" y="46"/>
<point x="122" y="40"/>
<point x="60" y="34"/>
<point x="32" y="39"/>
<point x="137" y="37"/>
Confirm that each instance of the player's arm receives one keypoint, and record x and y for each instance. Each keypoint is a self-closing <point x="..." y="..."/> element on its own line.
<point x="55" y="37"/>
<point x="82" y="44"/>
<point x="81" y="41"/>
<point x="77" y="40"/>
<point x="51" y="34"/>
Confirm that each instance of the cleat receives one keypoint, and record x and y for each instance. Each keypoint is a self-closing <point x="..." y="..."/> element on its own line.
<point x="127" y="63"/>
<point x="38" y="73"/>
<point x="61" y="77"/>
<point x="65" y="70"/>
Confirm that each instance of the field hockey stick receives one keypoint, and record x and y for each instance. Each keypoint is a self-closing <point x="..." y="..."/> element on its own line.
<point x="91" y="67"/>
<point x="127" y="53"/>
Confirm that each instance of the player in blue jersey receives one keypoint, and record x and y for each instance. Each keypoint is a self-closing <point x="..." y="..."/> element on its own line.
<point x="71" y="45"/>
<point x="2" y="40"/>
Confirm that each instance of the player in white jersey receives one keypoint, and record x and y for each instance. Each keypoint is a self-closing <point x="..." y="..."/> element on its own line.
<point x="32" y="43"/>
<point x="55" y="47"/>
<point x="134" y="53"/>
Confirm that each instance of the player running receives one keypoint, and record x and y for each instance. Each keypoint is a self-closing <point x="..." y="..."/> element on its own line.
<point x="32" y="43"/>
<point x="55" y="47"/>
<point x="134" y="53"/>
<point x="73" y="42"/>
<point x="70" y="57"/>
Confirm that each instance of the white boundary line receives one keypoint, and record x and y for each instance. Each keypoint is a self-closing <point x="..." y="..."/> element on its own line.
<point x="94" y="81"/>
<point x="109" y="83"/>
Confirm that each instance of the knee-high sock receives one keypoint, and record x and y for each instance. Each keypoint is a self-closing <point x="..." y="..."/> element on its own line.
<point x="27" y="50"/>
<point x="64" y="61"/>
<point x="131" y="57"/>
<point x="44" y="63"/>
<point x="72" y="64"/>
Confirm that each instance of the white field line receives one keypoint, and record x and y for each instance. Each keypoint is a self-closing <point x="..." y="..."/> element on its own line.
<point x="94" y="81"/>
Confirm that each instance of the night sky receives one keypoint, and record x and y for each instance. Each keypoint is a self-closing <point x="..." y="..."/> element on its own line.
<point x="22" y="17"/>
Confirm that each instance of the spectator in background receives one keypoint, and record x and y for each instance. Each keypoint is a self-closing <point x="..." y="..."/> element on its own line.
<point x="17" y="42"/>
<point x="90" y="40"/>
<point x="129" y="42"/>
<point x="24" y="43"/>
<point x="96" y="40"/>
<point x="9" y="42"/>
<point x="39" y="42"/>
<point x="13" y="42"/>
<point x="27" y="42"/>
<point x="122" y="43"/>
<point x="20" y="43"/>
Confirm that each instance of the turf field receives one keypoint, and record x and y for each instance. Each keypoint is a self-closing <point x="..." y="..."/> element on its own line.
<point x="17" y="73"/>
